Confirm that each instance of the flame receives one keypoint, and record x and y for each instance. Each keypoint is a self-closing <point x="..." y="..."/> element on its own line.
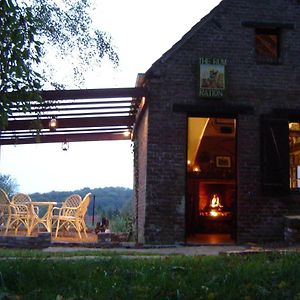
<point x="214" y="213"/>
<point x="216" y="206"/>
<point x="215" y="202"/>
<point x="196" y="169"/>
<point x="216" y="209"/>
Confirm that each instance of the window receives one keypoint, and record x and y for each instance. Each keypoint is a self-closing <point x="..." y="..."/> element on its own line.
<point x="281" y="155"/>
<point x="275" y="155"/>
<point x="294" y="146"/>
<point x="267" y="45"/>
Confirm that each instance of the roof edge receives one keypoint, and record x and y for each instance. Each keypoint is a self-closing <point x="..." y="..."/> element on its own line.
<point x="186" y="37"/>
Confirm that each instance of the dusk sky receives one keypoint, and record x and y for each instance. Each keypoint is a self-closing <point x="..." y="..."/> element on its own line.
<point x="142" y="31"/>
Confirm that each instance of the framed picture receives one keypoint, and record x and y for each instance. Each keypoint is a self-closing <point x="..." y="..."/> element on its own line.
<point x="223" y="162"/>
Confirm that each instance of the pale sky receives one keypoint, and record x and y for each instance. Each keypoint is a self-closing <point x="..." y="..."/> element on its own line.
<point x="142" y="31"/>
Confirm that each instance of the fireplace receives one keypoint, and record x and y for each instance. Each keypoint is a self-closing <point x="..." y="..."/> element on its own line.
<point x="216" y="206"/>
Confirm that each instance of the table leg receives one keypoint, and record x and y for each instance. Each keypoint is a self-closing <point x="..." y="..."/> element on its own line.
<point x="49" y="218"/>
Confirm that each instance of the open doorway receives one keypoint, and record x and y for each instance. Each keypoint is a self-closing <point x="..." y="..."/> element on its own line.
<point x="211" y="180"/>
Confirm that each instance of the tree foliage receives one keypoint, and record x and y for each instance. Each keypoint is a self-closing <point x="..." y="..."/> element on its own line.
<point x="109" y="201"/>
<point x="29" y="32"/>
<point x="20" y="49"/>
<point x="8" y="184"/>
<point x="19" y="52"/>
<point x="68" y="29"/>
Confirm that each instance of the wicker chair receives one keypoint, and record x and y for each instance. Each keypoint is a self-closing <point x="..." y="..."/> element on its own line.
<point x="74" y="216"/>
<point x="70" y="202"/>
<point x="5" y="209"/>
<point x="22" y="213"/>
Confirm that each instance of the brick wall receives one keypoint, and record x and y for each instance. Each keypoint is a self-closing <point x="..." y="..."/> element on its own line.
<point x="140" y="166"/>
<point x="173" y="80"/>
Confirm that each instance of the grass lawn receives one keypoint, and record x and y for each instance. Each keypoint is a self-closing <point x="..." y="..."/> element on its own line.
<point x="34" y="275"/>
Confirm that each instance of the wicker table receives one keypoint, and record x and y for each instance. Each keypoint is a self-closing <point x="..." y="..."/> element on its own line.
<point x="45" y="219"/>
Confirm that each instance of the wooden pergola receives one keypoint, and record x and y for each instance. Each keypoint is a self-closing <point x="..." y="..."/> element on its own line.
<point x="80" y="115"/>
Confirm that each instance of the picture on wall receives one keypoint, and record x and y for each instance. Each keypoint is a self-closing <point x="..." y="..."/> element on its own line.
<point x="223" y="162"/>
<point x="212" y="77"/>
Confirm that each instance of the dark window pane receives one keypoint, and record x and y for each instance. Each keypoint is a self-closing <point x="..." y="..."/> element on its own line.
<point x="275" y="158"/>
<point x="267" y="45"/>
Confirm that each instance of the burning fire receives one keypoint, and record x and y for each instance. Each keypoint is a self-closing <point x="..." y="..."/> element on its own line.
<point x="215" y="208"/>
<point x="214" y="213"/>
<point x="215" y="202"/>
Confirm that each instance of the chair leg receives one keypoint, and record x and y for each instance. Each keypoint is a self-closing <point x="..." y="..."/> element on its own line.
<point x="30" y="228"/>
<point x="54" y="223"/>
<point x="17" y="227"/>
<point x="84" y="228"/>
<point x="7" y="225"/>
<point x="78" y="228"/>
<point x="57" y="228"/>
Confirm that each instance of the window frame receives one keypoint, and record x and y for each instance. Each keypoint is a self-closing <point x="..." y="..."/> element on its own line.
<point x="296" y="167"/>
<point x="276" y="164"/>
<point x="267" y="31"/>
<point x="275" y="155"/>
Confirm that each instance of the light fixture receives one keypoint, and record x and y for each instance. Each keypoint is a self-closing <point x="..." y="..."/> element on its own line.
<point x="53" y="124"/>
<point x="127" y="133"/>
<point x="65" y="146"/>
<point x="196" y="169"/>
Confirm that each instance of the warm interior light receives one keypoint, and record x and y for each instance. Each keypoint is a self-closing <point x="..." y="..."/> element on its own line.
<point x="216" y="206"/>
<point x="196" y="169"/>
<point x="213" y="213"/>
<point x="127" y="133"/>
<point x="215" y="202"/>
<point x="53" y="124"/>
<point x="188" y="162"/>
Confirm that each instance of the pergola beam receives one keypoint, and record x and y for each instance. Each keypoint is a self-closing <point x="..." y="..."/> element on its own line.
<point x="59" y="138"/>
<point x="73" y="123"/>
<point x="78" y="103"/>
<point x="94" y="93"/>
<point x="58" y="115"/>
<point x="77" y="118"/>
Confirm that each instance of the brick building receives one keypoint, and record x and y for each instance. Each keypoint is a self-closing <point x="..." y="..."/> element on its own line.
<point x="217" y="143"/>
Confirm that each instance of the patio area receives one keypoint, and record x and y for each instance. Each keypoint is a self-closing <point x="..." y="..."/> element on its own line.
<point x="69" y="238"/>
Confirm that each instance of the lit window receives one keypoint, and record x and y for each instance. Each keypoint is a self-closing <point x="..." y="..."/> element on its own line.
<point x="280" y="155"/>
<point x="294" y="142"/>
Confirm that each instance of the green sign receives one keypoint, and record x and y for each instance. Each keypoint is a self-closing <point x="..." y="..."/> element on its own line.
<point x="212" y="74"/>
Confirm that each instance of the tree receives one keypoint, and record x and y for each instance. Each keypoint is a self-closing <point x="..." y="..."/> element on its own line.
<point x="68" y="28"/>
<point x="28" y="30"/>
<point x="19" y="51"/>
<point x="8" y="184"/>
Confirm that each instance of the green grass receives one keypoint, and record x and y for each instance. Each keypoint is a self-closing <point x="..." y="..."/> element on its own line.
<point x="38" y="254"/>
<point x="255" y="276"/>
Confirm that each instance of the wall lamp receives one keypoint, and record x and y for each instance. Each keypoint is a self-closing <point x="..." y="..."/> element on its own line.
<point x="127" y="133"/>
<point x="53" y="124"/>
